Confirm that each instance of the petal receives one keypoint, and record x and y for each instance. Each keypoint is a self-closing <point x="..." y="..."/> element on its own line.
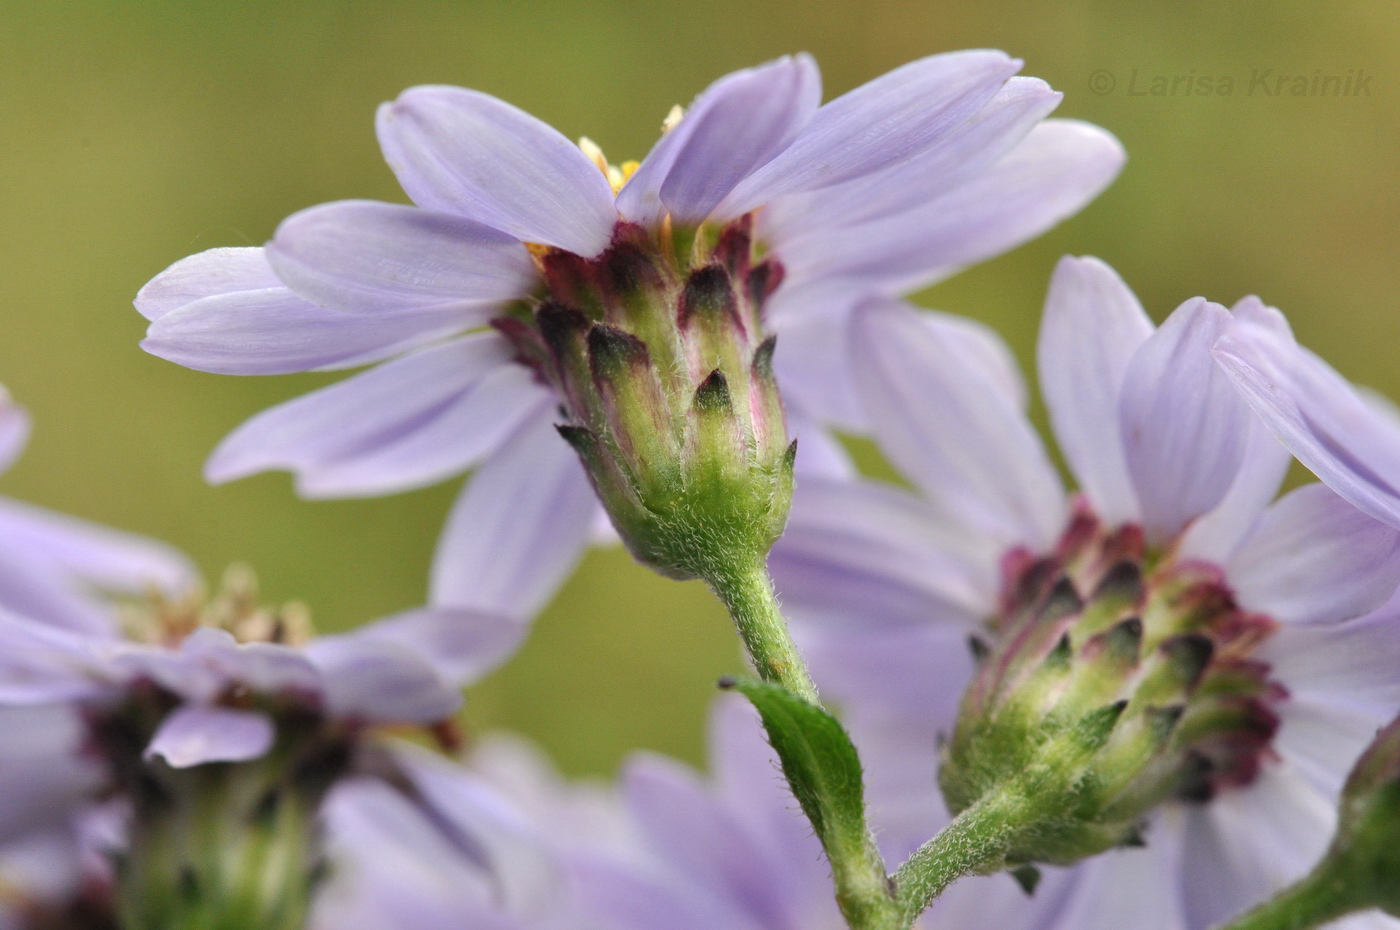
<point x="862" y="554"/>
<point x="42" y="664"/>
<point x="1183" y="426"/>
<point x="1092" y="325"/>
<point x="814" y="362"/>
<point x="1216" y="535"/>
<point x="460" y="435"/>
<point x="1353" y="665"/>
<point x="738" y="123"/>
<point x="264" y="668"/>
<point x="749" y="784"/>
<point x="812" y="359"/>
<point x="1322" y="740"/>
<point x="998" y="901"/>
<point x="395" y="867"/>
<point x="14" y="430"/>
<point x="359" y="255"/>
<point x="1319" y="416"/>
<point x="819" y="452"/>
<point x="625" y="897"/>
<point x="275" y="332"/>
<point x="898" y="751"/>
<point x="1247" y="844"/>
<point x="1053" y="174"/>
<point x="212" y="272"/>
<point x="736" y="130"/>
<point x="40" y="591"/>
<point x="1314" y="558"/>
<point x="1131" y="888"/>
<point x="518" y="528"/>
<point x="944" y="420"/>
<point x="44" y="774"/>
<point x="196" y="735"/>
<point x="327" y="434"/>
<point x="94" y="555"/>
<point x="882" y="123"/>
<point x="701" y="840"/>
<point x="964" y="152"/>
<point x="463" y="644"/>
<point x="379" y="680"/>
<point x="985" y="348"/>
<point x="55" y="568"/>
<point x="464" y="152"/>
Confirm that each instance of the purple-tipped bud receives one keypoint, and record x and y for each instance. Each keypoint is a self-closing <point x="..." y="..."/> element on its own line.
<point x="1113" y="688"/>
<point x="656" y="349"/>
<point x="763" y="280"/>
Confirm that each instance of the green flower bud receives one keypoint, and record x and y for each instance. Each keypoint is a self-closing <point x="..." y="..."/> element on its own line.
<point x="656" y="348"/>
<point x="1105" y="687"/>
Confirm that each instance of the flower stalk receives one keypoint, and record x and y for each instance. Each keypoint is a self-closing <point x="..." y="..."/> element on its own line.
<point x="976" y="842"/>
<point x="747" y="593"/>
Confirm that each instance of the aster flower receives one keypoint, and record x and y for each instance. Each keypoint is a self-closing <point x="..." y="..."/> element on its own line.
<point x="775" y="209"/>
<point x="1267" y="626"/>
<point x="121" y="685"/>
<point x="226" y="705"/>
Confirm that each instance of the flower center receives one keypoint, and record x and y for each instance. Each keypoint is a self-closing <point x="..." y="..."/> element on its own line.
<point x="235" y="607"/>
<point x="617" y="175"/>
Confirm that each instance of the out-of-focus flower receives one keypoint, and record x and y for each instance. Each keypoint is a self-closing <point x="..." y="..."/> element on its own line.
<point x="127" y="697"/>
<point x="776" y="210"/>
<point x="1174" y="558"/>
<point x="667" y="847"/>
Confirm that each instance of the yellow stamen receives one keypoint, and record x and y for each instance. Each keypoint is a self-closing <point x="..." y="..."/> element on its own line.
<point x="594" y="152"/>
<point x="673" y="119"/>
<point x="617" y="176"/>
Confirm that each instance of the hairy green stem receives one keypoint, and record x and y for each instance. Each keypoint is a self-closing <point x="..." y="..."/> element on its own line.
<point x="747" y="592"/>
<point x="976" y="841"/>
<point x="858" y="870"/>
<point x="1326" y="894"/>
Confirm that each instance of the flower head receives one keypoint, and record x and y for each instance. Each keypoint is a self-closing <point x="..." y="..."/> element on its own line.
<point x="134" y="701"/>
<point x="1172" y="631"/>
<point x="616" y="293"/>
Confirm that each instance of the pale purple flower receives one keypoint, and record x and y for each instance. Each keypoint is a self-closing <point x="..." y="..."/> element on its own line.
<point x="886" y="584"/>
<point x="939" y="164"/>
<point x="71" y="596"/>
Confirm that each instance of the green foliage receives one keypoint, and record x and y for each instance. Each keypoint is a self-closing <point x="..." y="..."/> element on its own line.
<point x="824" y="772"/>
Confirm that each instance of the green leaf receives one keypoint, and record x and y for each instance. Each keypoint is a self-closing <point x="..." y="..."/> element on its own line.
<point x="820" y="764"/>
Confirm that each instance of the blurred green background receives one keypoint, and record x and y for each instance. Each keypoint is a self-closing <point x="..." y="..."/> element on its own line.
<point x="132" y="134"/>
